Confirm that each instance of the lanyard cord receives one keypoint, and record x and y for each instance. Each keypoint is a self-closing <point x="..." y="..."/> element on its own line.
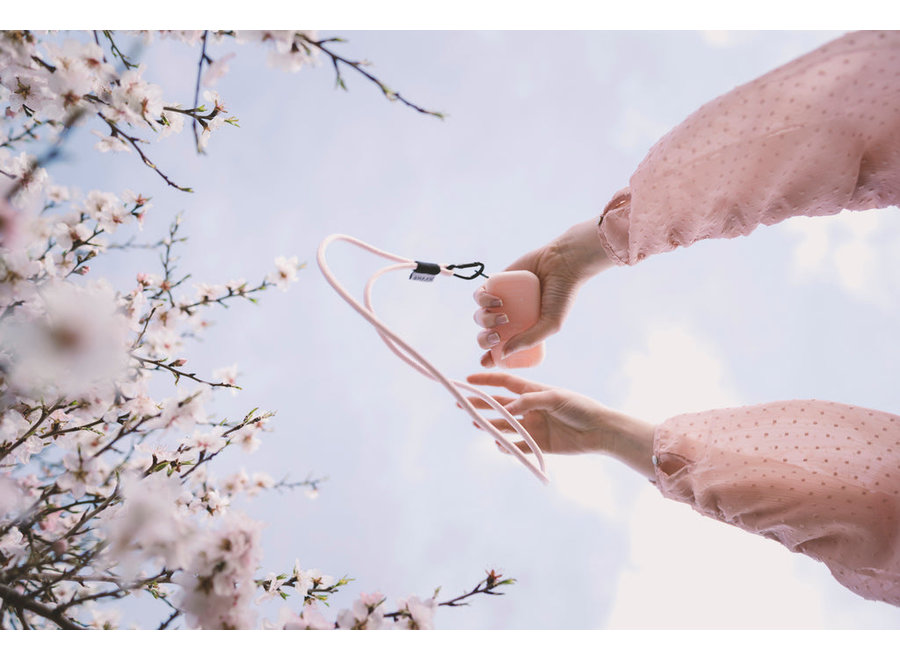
<point x="414" y="359"/>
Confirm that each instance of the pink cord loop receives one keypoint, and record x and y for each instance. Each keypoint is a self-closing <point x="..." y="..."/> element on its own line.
<point x="414" y="359"/>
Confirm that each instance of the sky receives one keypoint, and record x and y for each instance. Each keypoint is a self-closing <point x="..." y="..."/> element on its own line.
<point x="541" y="129"/>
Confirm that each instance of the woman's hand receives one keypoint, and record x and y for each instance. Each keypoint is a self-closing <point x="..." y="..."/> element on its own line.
<point x="564" y="422"/>
<point x="562" y="265"/>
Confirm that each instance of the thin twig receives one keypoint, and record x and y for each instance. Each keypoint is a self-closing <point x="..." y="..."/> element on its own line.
<point x="115" y="132"/>
<point x="358" y="67"/>
<point x="203" y="58"/>
<point x="18" y="600"/>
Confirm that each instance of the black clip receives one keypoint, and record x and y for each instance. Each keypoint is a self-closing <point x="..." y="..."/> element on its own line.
<point x="474" y="264"/>
<point x="425" y="271"/>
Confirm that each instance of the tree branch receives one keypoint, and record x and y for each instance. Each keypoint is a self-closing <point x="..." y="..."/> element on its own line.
<point x="16" y="599"/>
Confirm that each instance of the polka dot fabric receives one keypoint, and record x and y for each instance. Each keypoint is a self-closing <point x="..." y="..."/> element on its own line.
<point x="813" y="137"/>
<point x="816" y="136"/>
<point x="821" y="478"/>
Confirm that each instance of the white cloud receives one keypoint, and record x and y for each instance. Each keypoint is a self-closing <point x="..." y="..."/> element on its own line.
<point x="638" y="132"/>
<point x="719" y="38"/>
<point x="685" y="570"/>
<point x="586" y="481"/>
<point x="858" y="251"/>
<point x="688" y="571"/>
<point x="676" y="373"/>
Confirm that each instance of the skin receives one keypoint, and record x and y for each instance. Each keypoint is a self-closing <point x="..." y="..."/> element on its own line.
<point x="560" y="421"/>
<point x="564" y="422"/>
<point x="563" y="266"/>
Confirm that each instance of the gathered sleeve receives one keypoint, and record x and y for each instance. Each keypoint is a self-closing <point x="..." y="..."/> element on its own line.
<point x="821" y="478"/>
<point x="813" y="137"/>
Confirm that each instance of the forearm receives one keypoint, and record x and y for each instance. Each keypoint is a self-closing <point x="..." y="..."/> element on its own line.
<point x="629" y="440"/>
<point x="813" y="137"/>
<point x="582" y="250"/>
<point x="819" y="477"/>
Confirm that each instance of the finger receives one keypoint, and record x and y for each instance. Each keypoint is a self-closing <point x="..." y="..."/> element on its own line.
<point x="510" y="381"/>
<point x="547" y="400"/>
<point x="500" y="424"/>
<point x="488" y="339"/>
<point x="480" y="404"/>
<point x="487" y="360"/>
<point x="524" y="448"/>
<point x="488" y="319"/>
<point x="485" y="299"/>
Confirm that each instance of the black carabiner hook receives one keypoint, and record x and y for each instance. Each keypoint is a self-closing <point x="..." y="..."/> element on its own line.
<point x="475" y="264"/>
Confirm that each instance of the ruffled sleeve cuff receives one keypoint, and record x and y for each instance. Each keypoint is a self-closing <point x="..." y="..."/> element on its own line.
<point x="613" y="227"/>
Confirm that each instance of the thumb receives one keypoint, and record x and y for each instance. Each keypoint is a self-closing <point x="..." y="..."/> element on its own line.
<point x="532" y="336"/>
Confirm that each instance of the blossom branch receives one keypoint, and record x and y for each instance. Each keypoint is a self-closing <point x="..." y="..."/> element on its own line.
<point x="204" y="58"/>
<point x="357" y="66"/>
<point x="5" y="450"/>
<point x="116" y="52"/>
<point x="173" y="368"/>
<point x="116" y="132"/>
<point x="13" y="597"/>
<point x="486" y="586"/>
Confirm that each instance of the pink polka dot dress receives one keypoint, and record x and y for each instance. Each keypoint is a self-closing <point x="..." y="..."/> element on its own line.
<point x="816" y="136"/>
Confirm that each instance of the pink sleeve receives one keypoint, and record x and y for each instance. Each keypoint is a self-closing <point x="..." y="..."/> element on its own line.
<point x="821" y="478"/>
<point x="813" y="137"/>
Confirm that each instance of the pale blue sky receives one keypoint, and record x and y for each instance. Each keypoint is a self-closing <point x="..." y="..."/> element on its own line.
<point x="542" y="128"/>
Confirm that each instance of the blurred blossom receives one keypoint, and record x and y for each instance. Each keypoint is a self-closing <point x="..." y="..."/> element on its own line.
<point x="149" y="525"/>
<point x="67" y="342"/>
<point x="217" y="587"/>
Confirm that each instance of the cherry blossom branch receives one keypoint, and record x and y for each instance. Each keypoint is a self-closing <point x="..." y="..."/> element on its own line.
<point x="116" y="52"/>
<point x="239" y="292"/>
<point x="15" y="598"/>
<point x="203" y="59"/>
<point x="27" y="131"/>
<point x="123" y="587"/>
<point x="357" y="66"/>
<point x="173" y="368"/>
<point x="7" y="449"/>
<point x="51" y="154"/>
<point x="486" y="586"/>
<point x="116" y="132"/>
<point x="248" y="419"/>
<point x="309" y="482"/>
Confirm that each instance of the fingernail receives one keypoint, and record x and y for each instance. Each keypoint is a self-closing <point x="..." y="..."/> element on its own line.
<point x="501" y="319"/>
<point x="493" y="339"/>
<point x="495" y="302"/>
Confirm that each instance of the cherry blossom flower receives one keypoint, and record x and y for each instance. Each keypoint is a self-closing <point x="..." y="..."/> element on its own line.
<point x="420" y="611"/>
<point x="309" y="619"/>
<point x="81" y="473"/>
<point x="273" y="586"/>
<point x="217" y="589"/>
<point x="149" y="525"/>
<point x="216" y="70"/>
<point x="13" y="547"/>
<point x="248" y="438"/>
<point x="366" y="613"/>
<point x="285" y="272"/>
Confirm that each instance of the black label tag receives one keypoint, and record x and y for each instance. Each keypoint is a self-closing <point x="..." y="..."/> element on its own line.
<point x="425" y="272"/>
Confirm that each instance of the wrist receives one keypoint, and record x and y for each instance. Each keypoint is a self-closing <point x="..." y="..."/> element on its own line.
<point x="627" y="439"/>
<point x="583" y="250"/>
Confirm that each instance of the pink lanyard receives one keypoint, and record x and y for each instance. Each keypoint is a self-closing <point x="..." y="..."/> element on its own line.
<point x="414" y="359"/>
